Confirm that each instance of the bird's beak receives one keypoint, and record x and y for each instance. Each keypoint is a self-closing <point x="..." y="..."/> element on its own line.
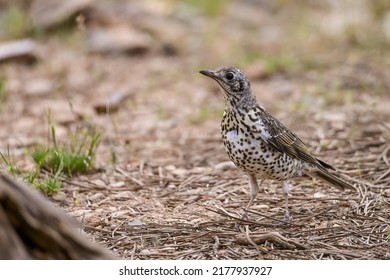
<point x="208" y="73"/>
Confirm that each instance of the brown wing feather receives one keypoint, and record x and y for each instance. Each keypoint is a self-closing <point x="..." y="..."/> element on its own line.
<point x="285" y="141"/>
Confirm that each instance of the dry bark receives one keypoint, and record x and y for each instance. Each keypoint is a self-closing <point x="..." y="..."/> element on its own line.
<point x="32" y="228"/>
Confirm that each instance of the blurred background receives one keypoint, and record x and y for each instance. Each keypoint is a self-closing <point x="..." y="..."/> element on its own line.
<point x="125" y="75"/>
<point x="303" y="58"/>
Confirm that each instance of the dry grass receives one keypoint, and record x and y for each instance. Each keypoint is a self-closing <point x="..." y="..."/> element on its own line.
<point x="154" y="211"/>
<point x="163" y="187"/>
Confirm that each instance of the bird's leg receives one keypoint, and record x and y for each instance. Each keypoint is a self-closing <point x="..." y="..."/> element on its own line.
<point x="254" y="190"/>
<point x="286" y="189"/>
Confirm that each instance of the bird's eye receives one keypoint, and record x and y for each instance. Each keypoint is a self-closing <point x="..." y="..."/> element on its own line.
<point x="229" y="76"/>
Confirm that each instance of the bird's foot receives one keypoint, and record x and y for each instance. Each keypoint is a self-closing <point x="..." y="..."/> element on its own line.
<point x="244" y="216"/>
<point x="286" y="218"/>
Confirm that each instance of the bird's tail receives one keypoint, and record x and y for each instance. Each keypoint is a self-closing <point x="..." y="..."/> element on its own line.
<point x="333" y="179"/>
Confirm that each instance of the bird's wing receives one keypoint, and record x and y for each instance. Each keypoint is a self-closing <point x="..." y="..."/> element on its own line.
<point x="283" y="140"/>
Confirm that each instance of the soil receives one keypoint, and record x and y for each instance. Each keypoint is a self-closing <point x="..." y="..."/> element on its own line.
<point x="162" y="186"/>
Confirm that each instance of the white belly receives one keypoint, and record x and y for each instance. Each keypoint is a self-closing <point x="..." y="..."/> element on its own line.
<point x="256" y="157"/>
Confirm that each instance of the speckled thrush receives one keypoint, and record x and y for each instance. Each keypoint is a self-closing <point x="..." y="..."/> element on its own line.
<point x="259" y="144"/>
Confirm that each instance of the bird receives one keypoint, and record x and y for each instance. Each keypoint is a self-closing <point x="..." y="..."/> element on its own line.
<point x="259" y="144"/>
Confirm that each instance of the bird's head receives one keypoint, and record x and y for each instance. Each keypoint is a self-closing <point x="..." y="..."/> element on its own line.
<point x="234" y="85"/>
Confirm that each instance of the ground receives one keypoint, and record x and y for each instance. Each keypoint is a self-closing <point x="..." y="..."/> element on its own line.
<point x="162" y="186"/>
